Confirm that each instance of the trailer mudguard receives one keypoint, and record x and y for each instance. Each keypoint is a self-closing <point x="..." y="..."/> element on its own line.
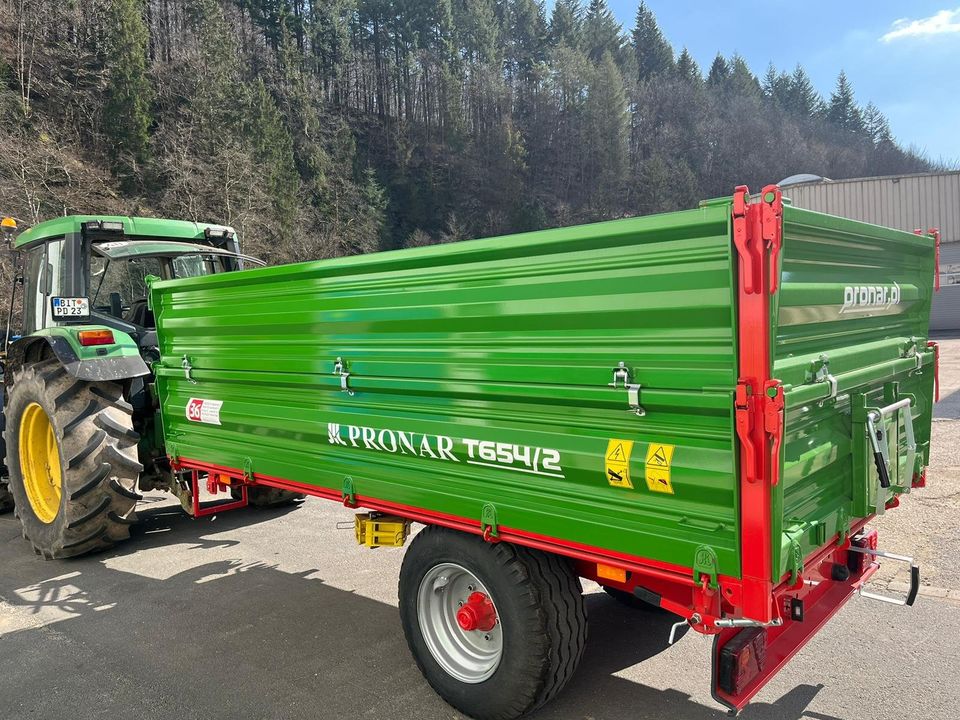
<point x="119" y="361"/>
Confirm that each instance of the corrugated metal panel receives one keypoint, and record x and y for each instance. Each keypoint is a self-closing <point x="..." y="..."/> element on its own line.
<point x="903" y="202"/>
<point x="856" y="295"/>
<point x="505" y="343"/>
<point x="946" y="309"/>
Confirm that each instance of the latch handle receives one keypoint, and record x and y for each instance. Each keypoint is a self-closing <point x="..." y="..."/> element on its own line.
<point x="187" y="370"/>
<point x="340" y="368"/>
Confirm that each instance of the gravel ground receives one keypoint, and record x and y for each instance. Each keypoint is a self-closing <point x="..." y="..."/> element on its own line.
<point x="278" y="614"/>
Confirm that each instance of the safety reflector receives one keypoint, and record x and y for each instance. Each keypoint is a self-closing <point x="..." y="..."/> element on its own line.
<point x="609" y="572"/>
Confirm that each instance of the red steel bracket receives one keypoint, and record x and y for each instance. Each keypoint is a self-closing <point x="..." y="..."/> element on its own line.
<point x="749" y="260"/>
<point x="935" y="233"/>
<point x="771" y="222"/>
<point x="936" y="277"/>
<point x="214" y="485"/>
<point x="773" y="424"/>
<point x="744" y="422"/>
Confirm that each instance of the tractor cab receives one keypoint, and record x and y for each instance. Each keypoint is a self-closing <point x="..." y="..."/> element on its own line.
<point x="84" y="348"/>
<point x="84" y="270"/>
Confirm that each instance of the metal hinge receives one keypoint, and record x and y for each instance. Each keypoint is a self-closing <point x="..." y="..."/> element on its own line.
<point x="621" y="374"/>
<point x="340" y="368"/>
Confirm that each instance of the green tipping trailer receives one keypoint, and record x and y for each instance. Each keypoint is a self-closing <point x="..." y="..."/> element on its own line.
<point x="699" y="410"/>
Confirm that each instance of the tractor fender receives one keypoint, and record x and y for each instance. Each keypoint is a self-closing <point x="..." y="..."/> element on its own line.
<point x="119" y="361"/>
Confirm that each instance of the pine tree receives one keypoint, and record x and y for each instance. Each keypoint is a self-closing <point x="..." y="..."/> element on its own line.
<point x="528" y="31"/>
<point x="742" y="81"/>
<point x="688" y="69"/>
<point x="601" y="32"/>
<point x="843" y="110"/>
<point x="802" y="99"/>
<point x="566" y="23"/>
<point x="607" y="125"/>
<point x="876" y="126"/>
<point x="654" y="54"/>
<point x="273" y="151"/>
<point x="776" y="86"/>
<point x="127" y="118"/>
<point x="719" y="72"/>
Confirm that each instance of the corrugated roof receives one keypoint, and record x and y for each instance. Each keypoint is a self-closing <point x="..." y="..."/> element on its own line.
<point x="905" y="202"/>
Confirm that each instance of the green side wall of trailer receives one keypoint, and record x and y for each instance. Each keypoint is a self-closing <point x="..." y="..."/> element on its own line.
<point x="484" y="373"/>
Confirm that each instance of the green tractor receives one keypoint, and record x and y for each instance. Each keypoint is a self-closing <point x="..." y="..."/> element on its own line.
<point x="81" y="433"/>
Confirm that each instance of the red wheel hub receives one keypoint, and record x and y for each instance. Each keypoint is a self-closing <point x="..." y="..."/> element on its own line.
<point x="477" y="613"/>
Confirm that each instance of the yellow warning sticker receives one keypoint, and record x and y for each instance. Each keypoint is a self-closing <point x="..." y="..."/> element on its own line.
<point x="659" y="455"/>
<point x="657" y="467"/>
<point x="618" y="463"/>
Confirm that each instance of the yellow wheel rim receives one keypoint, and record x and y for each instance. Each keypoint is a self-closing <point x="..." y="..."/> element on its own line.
<point x="40" y="463"/>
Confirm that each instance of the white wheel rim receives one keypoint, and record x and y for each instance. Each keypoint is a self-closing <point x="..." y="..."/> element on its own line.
<point x="470" y="656"/>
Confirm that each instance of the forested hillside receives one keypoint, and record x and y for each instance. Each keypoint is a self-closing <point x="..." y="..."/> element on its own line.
<point x="326" y="127"/>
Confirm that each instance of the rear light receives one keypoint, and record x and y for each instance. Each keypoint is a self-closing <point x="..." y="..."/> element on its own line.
<point x="95" y="337"/>
<point x="741" y="660"/>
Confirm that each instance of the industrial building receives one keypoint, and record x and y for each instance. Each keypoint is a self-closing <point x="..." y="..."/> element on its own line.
<point x="906" y="202"/>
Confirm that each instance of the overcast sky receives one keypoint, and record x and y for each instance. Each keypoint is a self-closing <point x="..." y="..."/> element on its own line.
<point x="904" y="56"/>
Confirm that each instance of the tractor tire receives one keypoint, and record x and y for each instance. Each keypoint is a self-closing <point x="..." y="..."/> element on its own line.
<point x="72" y="460"/>
<point x="496" y="629"/>
<point x="268" y="497"/>
<point x="6" y="498"/>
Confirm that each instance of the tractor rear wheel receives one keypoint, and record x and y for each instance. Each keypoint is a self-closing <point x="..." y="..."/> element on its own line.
<point x="496" y="629"/>
<point x="72" y="457"/>
<point x="6" y="499"/>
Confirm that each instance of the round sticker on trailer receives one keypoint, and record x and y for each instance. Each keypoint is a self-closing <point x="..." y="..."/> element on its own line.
<point x="204" y="411"/>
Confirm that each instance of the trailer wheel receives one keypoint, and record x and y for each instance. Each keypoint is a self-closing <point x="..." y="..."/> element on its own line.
<point x="267" y="497"/>
<point x="72" y="457"/>
<point x="496" y="629"/>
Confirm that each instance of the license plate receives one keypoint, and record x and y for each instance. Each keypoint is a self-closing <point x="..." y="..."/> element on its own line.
<point x="70" y="308"/>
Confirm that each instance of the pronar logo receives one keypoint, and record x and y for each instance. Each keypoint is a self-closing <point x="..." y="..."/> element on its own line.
<point x="501" y="455"/>
<point x="861" y="298"/>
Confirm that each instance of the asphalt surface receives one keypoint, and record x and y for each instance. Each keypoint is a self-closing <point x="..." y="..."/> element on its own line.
<point x="278" y="614"/>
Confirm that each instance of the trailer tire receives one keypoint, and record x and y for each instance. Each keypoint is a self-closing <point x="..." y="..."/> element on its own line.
<point x="540" y="617"/>
<point x="267" y="497"/>
<point x="75" y="486"/>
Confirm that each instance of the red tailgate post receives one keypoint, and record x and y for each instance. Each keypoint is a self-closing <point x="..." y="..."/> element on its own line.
<point x="757" y="233"/>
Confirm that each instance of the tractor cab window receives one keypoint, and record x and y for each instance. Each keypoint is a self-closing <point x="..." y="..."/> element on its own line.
<point x="118" y="287"/>
<point x="43" y="271"/>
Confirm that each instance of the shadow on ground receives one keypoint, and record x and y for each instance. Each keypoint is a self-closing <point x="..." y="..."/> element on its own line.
<point x="229" y="639"/>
